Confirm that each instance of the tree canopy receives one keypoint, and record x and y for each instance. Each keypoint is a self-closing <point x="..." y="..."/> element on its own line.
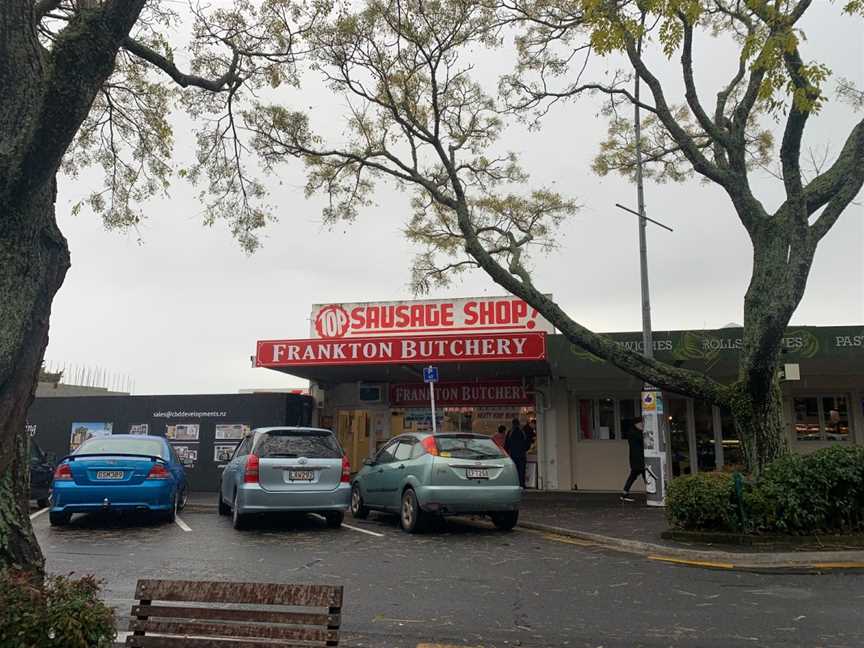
<point x="230" y="54"/>
<point x="418" y="115"/>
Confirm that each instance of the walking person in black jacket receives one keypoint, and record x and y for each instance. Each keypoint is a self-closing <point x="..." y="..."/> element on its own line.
<point x="516" y="445"/>
<point x="636" y="443"/>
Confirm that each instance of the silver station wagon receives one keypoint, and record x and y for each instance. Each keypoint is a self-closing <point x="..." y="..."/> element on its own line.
<point x="421" y="475"/>
<point x="286" y="469"/>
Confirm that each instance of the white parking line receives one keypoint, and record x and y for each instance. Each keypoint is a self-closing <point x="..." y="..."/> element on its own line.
<point x="353" y="528"/>
<point x="33" y="516"/>
<point x="372" y="533"/>
<point x="181" y="523"/>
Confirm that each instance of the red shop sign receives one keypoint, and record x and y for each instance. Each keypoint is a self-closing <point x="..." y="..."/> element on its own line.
<point x="429" y="317"/>
<point x="496" y="392"/>
<point x="422" y="349"/>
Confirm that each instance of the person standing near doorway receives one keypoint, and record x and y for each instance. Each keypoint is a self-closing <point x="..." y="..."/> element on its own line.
<point x="500" y="437"/>
<point x="636" y="444"/>
<point x="530" y="431"/>
<point x="516" y="446"/>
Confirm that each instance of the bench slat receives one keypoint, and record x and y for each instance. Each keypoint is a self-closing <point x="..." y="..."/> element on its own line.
<point x="229" y="630"/>
<point x="226" y="614"/>
<point x="189" y="642"/>
<point x="328" y="596"/>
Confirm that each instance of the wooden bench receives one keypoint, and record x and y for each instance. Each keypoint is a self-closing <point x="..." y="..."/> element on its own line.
<point x="234" y="615"/>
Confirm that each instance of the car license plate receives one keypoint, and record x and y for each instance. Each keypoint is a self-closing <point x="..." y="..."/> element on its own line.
<point x="301" y="475"/>
<point x="109" y="474"/>
<point x="477" y="473"/>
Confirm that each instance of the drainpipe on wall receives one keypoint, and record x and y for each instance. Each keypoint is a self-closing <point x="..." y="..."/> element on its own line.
<point x="318" y="395"/>
<point x="543" y="464"/>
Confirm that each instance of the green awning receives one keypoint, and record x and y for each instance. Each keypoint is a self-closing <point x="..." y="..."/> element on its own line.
<point x="827" y="349"/>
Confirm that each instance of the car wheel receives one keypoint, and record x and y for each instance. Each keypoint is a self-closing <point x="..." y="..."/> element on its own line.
<point x="505" y="521"/>
<point x="238" y="520"/>
<point x="358" y="509"/>
<point x="411" y="518"/>
<point x="334" y="519"/>
<point x="224" y="509"/>
<point x="184" y="498"/>
<point x="42" y="503"/>
<point x="59" y="519"/>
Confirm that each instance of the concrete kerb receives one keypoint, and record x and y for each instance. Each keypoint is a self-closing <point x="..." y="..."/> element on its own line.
<point x="809" y="562"/>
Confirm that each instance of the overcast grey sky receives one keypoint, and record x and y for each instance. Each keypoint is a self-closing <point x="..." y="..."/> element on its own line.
<point x="180" y="310"/>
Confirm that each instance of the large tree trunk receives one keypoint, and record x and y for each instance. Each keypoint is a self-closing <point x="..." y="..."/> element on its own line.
<point x="46" y="95"/>
<point x="34" y="259"/>
<point x="781" y="263"/>
<point x="759" y="423"/>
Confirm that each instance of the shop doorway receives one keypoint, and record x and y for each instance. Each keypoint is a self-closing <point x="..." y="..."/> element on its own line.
<point x="679" y="436"/>
<point x="352" y="429"/>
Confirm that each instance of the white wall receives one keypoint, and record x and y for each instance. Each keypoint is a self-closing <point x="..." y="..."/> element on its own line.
<point x="604" y="465"/>
<point x="565" y="461"/>
<point x="552" y="421"/>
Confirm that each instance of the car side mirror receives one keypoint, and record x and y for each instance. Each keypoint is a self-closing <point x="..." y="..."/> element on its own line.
<point x="368" y="462"/>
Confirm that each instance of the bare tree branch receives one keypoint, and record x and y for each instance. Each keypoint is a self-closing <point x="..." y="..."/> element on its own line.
<point x="803" y="103"/>
<point x="715" y="131"/>
<point x="688" y="146"/>
<point x="839" y="185"/>
<point x="220" y="84"/>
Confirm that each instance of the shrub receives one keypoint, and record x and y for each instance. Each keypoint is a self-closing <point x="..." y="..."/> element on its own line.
<point x="820" y="492"/>
<point x="798" y="494"/>
<point x="64" y="612"/>
<point x="702" y="501"/>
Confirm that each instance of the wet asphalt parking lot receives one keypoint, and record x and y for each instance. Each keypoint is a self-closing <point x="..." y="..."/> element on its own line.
<point x="464" y="583"/>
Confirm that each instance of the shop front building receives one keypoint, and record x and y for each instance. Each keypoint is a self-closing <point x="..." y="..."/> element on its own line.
<point x="365" y="366"/>
<point x="498" y="360"/>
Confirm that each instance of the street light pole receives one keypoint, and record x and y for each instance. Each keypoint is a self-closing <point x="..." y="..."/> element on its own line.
<point x="647" y="335"/>
<point x="651" y="400"/>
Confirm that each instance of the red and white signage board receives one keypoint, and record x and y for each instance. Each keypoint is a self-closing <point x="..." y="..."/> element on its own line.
<point x="496" y="392"/>
<point x="425" y="349"/>
<point x="438" y="316"/>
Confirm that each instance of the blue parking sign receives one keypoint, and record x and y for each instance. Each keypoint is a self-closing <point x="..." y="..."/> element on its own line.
<point x="430" y="374"/>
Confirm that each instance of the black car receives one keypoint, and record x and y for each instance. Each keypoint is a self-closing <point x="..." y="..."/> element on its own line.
<point x="41" y="474"/>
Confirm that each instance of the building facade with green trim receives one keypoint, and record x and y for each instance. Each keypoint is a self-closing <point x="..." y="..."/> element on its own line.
<point x="585" y="403"/>
<point x="582" y="404"/>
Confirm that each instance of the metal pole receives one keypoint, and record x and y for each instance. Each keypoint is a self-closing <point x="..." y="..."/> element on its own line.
<point x="652" y="405"/>
<point x="647" y="337"/>
<point x="432" y="398"/>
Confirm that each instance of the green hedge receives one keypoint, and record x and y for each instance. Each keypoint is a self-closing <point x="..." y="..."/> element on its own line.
<point x="61" y="613"/>
<point x="702" y="501"/>
<point x="798" y="494"/>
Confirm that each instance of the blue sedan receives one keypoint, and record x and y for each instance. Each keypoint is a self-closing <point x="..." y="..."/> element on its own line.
<point x="119" y="473"/>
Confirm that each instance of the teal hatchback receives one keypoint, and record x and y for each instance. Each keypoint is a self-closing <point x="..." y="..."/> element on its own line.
<point x="422" y="475"/>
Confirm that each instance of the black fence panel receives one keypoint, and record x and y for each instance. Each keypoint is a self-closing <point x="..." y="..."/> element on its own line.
<point x="203" y="429"/>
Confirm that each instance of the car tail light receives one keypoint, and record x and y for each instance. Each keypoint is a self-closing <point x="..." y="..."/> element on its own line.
<point x="346" y="469"/>
<point x="158" y="471"/>
<point x="63" y="472"/>
<point x="430" y="446"/>
<point x="250" y="473"/>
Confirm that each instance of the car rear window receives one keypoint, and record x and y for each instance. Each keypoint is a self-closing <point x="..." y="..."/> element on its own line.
<point x="149" y="447"/>
<point x="36" y="453"/>
<point x="468" y="447"/>
<point x="315" y="444"/>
